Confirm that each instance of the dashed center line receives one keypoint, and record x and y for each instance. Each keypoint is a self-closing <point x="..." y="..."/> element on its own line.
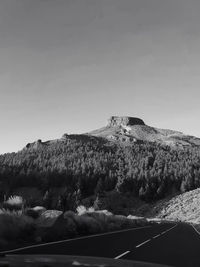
<point x="156" y="236"/>
<point x="121" y="255"/>
<point x="143" y="243"/>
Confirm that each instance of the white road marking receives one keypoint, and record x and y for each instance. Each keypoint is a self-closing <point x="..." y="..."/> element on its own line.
<point x="73" y="239"/>
<point x="168" y="230"/>
<point x="171" y="228"/>
<point x="143" y="243"/>
<point x="121" y="255"/>
<point x="156" y="236"/>
<point x="164" y="232"/>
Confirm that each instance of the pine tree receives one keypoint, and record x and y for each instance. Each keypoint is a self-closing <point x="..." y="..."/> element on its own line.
<point x="99" y="190"/>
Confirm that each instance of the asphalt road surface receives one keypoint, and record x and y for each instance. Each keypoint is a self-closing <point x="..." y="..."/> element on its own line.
<point x="169" y="244"/>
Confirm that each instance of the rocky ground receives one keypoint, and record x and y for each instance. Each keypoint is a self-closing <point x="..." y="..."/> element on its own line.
<point x="184" y="207"/>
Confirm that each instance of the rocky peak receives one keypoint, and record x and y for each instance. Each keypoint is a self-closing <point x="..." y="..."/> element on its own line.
<point x="124" y="121"/>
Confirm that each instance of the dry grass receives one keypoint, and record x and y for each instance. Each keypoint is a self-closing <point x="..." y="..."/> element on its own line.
<point x="13" y="203"/>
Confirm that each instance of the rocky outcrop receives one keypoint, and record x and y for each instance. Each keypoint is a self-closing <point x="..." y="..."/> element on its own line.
<point x="125" y="121"/>
<point x="35" y="145"/>
<point x="65" y="137"/>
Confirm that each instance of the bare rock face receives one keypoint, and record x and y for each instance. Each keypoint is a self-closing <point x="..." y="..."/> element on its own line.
<point x="125" y="121"/>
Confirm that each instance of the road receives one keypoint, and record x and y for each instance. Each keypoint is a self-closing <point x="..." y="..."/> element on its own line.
<point x="169" y="244"/>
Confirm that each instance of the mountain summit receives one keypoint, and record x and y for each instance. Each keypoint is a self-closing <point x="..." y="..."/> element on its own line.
<point x="125" y="120"/>
<point x="126" y="157"/>
<point x="130" y="129"/>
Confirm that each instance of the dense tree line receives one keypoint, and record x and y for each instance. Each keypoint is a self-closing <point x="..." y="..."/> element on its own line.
<point x="89" y="165"/>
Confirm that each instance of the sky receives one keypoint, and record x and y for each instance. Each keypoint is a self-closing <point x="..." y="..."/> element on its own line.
<point x="66" y="66"/>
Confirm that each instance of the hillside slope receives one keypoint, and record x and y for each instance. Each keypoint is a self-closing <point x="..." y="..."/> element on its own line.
<point x="65" y="171"/>
<point x="184" y="207"/>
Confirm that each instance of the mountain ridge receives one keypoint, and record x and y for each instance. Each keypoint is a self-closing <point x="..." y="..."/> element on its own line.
<point x="89" y="165"/>
<point x="131" y="129"/>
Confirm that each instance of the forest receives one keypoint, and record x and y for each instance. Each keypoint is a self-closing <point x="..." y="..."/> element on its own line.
<point x="85" y="166"/>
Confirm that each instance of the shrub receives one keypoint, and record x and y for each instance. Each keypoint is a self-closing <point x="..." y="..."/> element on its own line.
<point x="15" y="226"/>
<point x="64" y="227"/>
<point x="11" y="212"/>
<point x="90" y="223"/>
<point x="13" y="203"/>
<point x="86" y="224"/>
<point x="82" y="209"/>
<point x="32" y="213"/>
<point x="15" y="200"/>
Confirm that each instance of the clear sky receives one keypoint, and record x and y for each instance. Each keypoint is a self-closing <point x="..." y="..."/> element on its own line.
<point x="67" y="65"/>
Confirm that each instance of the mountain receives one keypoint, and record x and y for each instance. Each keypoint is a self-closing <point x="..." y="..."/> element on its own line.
<point x="126" y="157"/>
<point x="130" y="130"/>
